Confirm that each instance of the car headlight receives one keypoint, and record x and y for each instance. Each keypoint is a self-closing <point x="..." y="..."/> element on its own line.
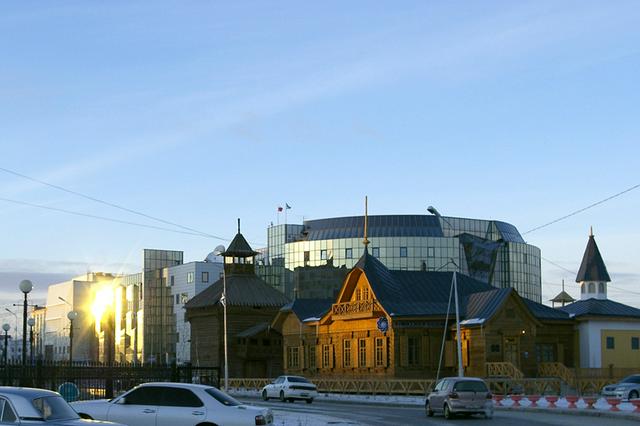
<point x="261" y="420"/>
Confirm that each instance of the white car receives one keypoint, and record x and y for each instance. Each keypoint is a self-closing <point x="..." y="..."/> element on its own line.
<point x="290" y="388"/>
<point x="173" y="404"/>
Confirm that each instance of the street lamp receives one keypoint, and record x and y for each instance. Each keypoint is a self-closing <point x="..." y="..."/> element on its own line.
<point x="71" y="315"/>
<point x="25" y="286"/>
<point x="31" y="321"/>
<point x="15" y="329"/>
<point x="6" y="327"/>
<point x="220" y="251"/>
<point x="454" y="284"/>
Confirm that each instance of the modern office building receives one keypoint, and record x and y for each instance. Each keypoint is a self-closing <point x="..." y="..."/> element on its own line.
<point x="488" y="250"/>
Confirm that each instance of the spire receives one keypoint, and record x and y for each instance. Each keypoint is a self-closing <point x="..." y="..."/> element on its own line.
<point x="366" y="222"/>
<point x="238" y="225"/>
<point x="592" y="267"/>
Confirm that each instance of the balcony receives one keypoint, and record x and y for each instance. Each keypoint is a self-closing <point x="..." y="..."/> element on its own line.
<point x="355" y="309"/>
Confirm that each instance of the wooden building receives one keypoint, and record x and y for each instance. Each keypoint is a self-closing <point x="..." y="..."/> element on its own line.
<point x="391" y="324"/>
<point x="254" y="347"/>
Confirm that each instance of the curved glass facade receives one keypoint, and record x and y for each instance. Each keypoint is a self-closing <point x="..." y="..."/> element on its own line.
<point x="492" y="251"/>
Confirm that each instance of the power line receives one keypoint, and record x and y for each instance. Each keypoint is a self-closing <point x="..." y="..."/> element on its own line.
<point x="108" y="219"/>
<point x="107" y="203"/>
<point x="583" y="209"/>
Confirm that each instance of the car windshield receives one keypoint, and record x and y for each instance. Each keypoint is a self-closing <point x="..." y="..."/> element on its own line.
<point x="222" y="397"/>
<point x="298" y="380"/>
<point x="470" y="386"/>
<point x="631" y="379"/>
<point x="54" y="408"/>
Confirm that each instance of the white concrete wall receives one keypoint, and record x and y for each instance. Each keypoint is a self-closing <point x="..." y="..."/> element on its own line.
<point x="591" y="339"/>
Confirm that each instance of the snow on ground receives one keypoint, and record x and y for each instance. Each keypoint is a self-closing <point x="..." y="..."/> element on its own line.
<point x="282" y="418"/>
<point x="600" y="405"/>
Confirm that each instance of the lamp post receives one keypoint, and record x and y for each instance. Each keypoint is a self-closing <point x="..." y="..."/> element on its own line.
<point x="31" y="321"/>
<point x="6" y="327"/>
<point x="454" y="283"/>
<point x="15" y="329"/>
<point x="71" y="315"/>
<point x="25" y="286"/>
<point x="220" y="251"/>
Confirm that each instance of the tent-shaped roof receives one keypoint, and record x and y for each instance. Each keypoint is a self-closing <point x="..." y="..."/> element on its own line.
<point x="592" y="267"/>
<point x="242" y="290"/>
<point x="563" y="296"/>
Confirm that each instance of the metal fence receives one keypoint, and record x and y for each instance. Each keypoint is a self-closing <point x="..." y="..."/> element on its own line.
<point x="95" y="381"/>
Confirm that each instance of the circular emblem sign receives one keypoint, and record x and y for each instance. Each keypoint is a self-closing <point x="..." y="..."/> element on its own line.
<point x="69" y="391"/>
<point x="383" y="324"/>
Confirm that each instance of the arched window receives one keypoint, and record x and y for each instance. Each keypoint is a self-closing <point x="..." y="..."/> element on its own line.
<point x="600" y="287"/>
<point x="592" y="288"/>
<point x="582" y="288"/>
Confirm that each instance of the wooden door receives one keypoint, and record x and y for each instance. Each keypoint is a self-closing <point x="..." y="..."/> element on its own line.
<point x="512" y="351"/>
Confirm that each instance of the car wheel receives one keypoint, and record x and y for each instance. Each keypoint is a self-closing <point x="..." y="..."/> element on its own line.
<point x="447" y="412"/>
<point x="282" y="398"/>
<point x="264" y="395"/>
<point x="429" y="410"/>
<point x="633" y="394"/>
<point x="309" y="401"/>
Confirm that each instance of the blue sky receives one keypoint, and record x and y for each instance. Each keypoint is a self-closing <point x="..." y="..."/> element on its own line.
<point x="200" y="112"/>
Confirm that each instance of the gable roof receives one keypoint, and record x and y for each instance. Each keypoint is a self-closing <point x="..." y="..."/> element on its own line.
<point x="592" y="267"/>
<point x="426" y="293"/>
<point x="242" y="290"/>
<point x="600" y="307"/>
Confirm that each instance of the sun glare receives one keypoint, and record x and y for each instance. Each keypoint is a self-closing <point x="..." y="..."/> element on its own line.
<point x="102" y="302"/>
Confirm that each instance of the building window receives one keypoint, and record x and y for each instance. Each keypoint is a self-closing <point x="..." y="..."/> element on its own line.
<point x="431" y="252"/>
<point x="190" y="277"/>
<point x="323" y="255"/>
<point x="592" y="288"/>
<point x="601" y="287"/>
<point x="312" y="357"/>
<point x="346" y="353"/>
<point x="379" y="352"/>
<point x="403" y="252"/>
<point x="611" y="343"/>
<point x="375" y="251"/>
<point x="205" y="277"/>
<point x="292" y="357"/>
<point x="362" y="353"/>
<point x="365" y="293"/>
<point x="177" y="299"/>
<point x="306" y="257"/>
<point x="635" y="343"/>
<point x="358" y="294"/>
<point x="413" y="350"/>
<point x="545" y="352"/>
<point x="172" y="280"/>
<point x="348" y="253"/>
<point x="325" y="356"/>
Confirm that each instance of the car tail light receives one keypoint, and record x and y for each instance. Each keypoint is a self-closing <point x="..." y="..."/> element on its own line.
<point x="261" y="420"/>
<point x="489" y="396"/>
<point x="453" y="395"/>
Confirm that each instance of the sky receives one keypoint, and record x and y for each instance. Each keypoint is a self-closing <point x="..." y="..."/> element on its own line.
<point x="201" y="112"/>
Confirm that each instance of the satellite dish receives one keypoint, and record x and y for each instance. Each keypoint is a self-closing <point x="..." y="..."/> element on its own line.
<point x="213" y="258"/>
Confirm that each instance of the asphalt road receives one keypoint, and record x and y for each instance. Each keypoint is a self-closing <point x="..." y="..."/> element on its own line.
<point x="385" y="415"/>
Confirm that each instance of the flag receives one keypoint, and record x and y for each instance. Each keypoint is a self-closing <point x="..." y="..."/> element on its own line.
<point x="288" y="206"/>
<point x="280" y="208"/>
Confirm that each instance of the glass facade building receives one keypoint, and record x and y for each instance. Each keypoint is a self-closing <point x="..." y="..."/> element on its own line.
<point x="489" y="250"/>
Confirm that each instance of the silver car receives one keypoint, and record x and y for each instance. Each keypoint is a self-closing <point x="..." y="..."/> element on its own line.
<point x="627" y="388"/>
<point x="460" y="395"/>
<point x="290" y="388"/>
<point x="39" y="406"/>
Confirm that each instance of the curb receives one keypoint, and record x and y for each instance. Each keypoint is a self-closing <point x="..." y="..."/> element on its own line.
<point x="575" y="411"/>
<point x="347" y="402"/>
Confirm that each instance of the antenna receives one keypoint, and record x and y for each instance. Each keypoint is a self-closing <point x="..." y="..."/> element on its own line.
<point x="366" y="220"/>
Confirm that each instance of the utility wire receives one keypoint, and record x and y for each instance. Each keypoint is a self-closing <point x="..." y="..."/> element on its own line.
<point x="107" y="203"/>
<point x="583" y="209"/>
<point x="108" y="219"/>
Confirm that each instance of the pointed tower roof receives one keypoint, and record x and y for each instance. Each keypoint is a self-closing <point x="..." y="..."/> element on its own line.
<point x="563" y="297"/>
<point x="592" y="267"/>
<point x="239" y="247"/>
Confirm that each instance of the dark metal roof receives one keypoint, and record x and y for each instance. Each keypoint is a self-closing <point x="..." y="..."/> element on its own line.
<point x="239" y="247"/>
<point x="600" y="307"/>
<point x="545" y="312"/>
<point x="242" y="290"/>
<point x="426" y="293"/>
<point x="563" y="296"/>
<point x="592" y="267"/>
<point x="378" y="226"/>
<point x="306" y="309"/>
<point x="509" y="232"/>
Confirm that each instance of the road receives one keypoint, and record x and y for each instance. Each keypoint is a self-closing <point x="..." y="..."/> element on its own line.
<point x="385" y="415"/>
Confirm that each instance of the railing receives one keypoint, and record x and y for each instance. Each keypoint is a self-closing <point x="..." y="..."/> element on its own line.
<point x="376" y="386"/>
<point x="559" y="370"/>
<point x="585" y="381"/>
<point x="503" y="369"/>
<point x="354" y="309"/>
